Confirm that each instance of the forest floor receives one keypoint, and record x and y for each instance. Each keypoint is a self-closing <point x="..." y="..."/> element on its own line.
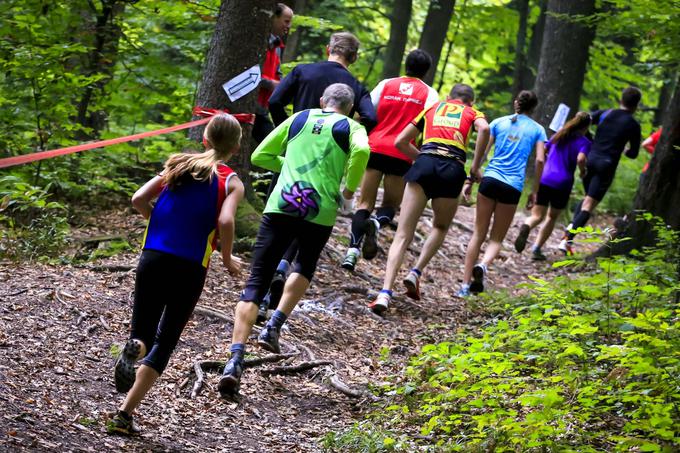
<point x="60" y="326"/>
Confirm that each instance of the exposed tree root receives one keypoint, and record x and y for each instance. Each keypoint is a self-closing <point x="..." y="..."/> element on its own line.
<point x="213" y="313"/>
<point x="300" y="367"/>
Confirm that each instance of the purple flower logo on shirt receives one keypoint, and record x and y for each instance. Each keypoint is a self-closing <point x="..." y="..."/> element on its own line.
<point x="300" y="199"/>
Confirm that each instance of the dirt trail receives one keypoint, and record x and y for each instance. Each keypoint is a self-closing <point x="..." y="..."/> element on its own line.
<point x="58" y="325"/>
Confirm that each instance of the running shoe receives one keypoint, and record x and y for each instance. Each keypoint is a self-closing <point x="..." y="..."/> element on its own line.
<point x="522" y="237"/>
<point x="477" y="284"/>
<point x="230" y="382"/>
<point x="276" y="288"/>
<point x="269" y="339"/>
<point x="262" y="310"/>
<point x="537" y="255"/>
<point x="351" y="259"/>
<point x="566" y="247"/>
<point x="412" y="284"/>
<point x="464" y="291"/>
<point x="381" y="304"/>
<point x="124" y="370"/>
<point x="122" y="423"/>
<point x="370" y="248"/>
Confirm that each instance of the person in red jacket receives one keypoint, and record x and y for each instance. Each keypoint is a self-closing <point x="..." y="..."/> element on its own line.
<point x="397" y="102"/>
<point x="271" y="70"/>
<point x="649" y="144"/>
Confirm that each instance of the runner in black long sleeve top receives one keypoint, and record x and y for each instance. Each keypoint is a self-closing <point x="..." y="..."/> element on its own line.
<point x="615" y="128"/>
<point x="304" y="85"/>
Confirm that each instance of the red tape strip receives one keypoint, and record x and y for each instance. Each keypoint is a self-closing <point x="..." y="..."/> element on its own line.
<point x="247" y="118"/>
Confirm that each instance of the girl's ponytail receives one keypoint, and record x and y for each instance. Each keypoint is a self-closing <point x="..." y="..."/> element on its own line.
<point x="580" y="121"/>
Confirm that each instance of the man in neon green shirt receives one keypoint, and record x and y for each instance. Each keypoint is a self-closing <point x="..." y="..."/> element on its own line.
<point x="321" y="146"/>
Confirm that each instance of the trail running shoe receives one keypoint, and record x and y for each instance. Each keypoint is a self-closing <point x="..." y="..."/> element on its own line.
<point x="124" y="370"/>
<point x="522" y="237"/>
<point x="477" y="284"/>
<point x="351" y="259"/>
<point x="122" y="423"/>
<point x="537" y="255"/>
<point x="370" y="247"/>
<point x="269" y="340"/>
<point x="276" y="289"/>
<point x="381" y="304"/>
<point x="412" y="284"/>
<point x="566" y="247"/>
<point x="230" y="382"/>
<point x="464" y="291"/>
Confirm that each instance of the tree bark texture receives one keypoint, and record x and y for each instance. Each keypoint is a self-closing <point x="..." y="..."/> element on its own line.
<point x="520" y="47"/>
<point x="564" y="56"/>
<point x="394" y="54"/>
<point x="665" y="94"/>
<point x="534" y="53"/>
<point x="233" y="49"/>
<point x="434" y="31"/>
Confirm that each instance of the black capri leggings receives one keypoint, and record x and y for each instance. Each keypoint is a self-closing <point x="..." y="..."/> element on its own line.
<point x="167" y="289"/>
<point x="277" y="232"/>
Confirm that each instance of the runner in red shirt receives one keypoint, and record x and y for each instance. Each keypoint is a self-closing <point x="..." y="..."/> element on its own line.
<point x="397" y="101"/>
<point x="438" y="174"/>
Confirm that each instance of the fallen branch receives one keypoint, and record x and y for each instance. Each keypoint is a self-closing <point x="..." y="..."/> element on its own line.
<point x="16" y="293"/>
<point x="82" y="317"/>
<point x="213" y="313"/>
<point x="200" y="379"/>
<point x="112" y="268"/>
<point x="104" y="323"/>
<point x="300" y="367"/>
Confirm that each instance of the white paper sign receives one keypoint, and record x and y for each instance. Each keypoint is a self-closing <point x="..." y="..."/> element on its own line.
<point x="243" y="83"/>
<point x="560" y="117"/>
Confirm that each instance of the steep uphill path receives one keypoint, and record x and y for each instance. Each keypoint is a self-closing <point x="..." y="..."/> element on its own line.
<point x="59" y="326"/>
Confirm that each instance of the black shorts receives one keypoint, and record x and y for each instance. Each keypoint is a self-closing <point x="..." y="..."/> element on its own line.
<point x="387" y="164"/>
<point x="599" y="177"/>
<point x="439" y="176"/>
<point x="499" y="191"/>
<point x="550" y="196"/>
<point x="277" y="232"/>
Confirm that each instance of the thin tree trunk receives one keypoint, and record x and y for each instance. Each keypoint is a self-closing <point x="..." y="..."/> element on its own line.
<point x="394" y="54"/>
<point x="534" y="53"/>
<point x="233" y="50"/>
<point x="433" y="36"/>
<point x="520" y="47"/>
<point x="564" y="57"/>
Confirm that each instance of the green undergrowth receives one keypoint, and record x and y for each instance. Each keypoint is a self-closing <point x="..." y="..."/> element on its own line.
<point x="585" y="362"/>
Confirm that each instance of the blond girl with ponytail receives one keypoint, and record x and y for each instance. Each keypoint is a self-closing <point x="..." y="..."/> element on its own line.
<point x="196" y="200"/>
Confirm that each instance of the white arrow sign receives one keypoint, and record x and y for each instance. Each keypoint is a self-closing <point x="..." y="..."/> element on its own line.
<point x="243" y="83"/>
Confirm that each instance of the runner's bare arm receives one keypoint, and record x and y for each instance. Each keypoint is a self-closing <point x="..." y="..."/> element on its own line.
<point x="141" y="200"/>
<point x="538" y="172"/>
<point x="483" y="133"/>
<point x="478" y="160"/>
<point x="404" y="141"/>
<point x="227" y="224"/>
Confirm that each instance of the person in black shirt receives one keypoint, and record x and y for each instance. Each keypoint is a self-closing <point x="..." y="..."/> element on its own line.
<point x="615" y="129"/>
<point x="303" y="87"/>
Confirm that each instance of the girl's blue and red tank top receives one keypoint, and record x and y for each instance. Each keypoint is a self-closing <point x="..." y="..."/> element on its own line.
<point x="184" y="220"/>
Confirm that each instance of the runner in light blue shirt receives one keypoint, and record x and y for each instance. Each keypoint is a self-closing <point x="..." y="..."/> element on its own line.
<point x="514" y="136"/>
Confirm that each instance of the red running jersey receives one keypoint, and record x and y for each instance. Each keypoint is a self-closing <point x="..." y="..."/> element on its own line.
<point x="397" y="102"/>
<point x="446" y="128"/>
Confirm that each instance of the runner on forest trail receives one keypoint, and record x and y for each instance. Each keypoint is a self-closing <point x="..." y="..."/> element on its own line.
<point x="303" y="88"/>
<point x="197" y="199"/>
<point x="271" y="70"/>
<point x="566" y="150"/>
<point x="615" y="129"/>
<point x="397" y="101"/>
<point x="514" y="136"/>
<point x="438" y="174"/>
<point x="321" y="146"/>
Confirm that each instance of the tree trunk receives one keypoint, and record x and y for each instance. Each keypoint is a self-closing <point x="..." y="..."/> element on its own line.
<point x="665" y="94"/>
<point x="534" y="54"/>
<point x="231" y="52"/>
<point x="100" y="60"/>
<point x="434" y="32"/>
<point x="290" y="52"/>
<point x="564" y="56"/>
<point x="520" y="48"/>
<point x="394" y="54"/>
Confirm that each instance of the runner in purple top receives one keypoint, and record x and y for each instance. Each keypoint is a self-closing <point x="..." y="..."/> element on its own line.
<point x="566" y="150"/>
